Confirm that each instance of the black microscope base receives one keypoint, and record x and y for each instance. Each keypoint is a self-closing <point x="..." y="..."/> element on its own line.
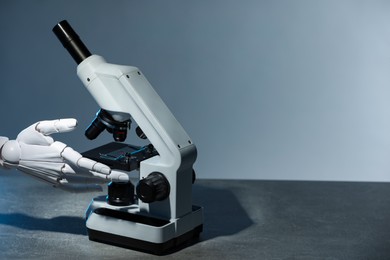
<point x="145" y="246"/>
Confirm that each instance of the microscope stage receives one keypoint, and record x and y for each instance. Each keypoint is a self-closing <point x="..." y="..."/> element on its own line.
<point x="121" y="156"/>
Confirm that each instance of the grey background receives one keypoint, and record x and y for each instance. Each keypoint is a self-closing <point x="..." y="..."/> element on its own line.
<point x="295" y="90"/>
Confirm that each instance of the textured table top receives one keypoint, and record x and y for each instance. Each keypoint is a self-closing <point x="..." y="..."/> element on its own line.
<point x="243" y="219"/>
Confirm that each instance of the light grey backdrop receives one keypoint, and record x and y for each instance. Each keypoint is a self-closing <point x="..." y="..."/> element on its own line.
<point x="296" y="90"/>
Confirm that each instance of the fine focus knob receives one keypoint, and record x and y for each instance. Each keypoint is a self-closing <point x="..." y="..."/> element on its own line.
<point x="155" y="187"/>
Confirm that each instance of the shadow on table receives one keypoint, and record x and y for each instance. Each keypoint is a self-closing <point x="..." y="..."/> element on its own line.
<point x="223" y="214"/>
<point x="62" y="224"/>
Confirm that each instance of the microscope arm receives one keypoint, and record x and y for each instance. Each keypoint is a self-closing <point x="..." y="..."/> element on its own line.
<point x="124" y="91"/>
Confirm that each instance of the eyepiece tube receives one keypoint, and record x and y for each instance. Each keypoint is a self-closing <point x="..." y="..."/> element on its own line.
<point x="71" y="41"/>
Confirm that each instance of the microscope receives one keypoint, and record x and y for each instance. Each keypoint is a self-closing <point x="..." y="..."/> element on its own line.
<point x="154" y="212"/>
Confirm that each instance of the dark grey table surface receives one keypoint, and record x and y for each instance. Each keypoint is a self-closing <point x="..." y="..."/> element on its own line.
<point x="243" y="219"/>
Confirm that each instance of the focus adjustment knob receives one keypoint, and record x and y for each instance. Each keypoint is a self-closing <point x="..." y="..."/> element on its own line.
<point x="155" y="187"/>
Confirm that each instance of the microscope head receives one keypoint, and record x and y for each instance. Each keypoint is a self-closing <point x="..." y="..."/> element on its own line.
<point x="114" y="123"/>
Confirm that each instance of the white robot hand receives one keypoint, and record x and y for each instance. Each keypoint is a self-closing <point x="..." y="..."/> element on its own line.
<point x="36" y="153"/>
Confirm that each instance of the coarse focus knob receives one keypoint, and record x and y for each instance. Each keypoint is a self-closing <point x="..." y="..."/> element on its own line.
<point x="155" y="187"/>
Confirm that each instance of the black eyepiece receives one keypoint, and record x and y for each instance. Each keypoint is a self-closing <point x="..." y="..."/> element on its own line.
<point x="71" y="41"/>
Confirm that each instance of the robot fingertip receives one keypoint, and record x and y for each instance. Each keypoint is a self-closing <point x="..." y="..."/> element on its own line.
<point x="119" y="176"/>
<point x="69" y="123"/>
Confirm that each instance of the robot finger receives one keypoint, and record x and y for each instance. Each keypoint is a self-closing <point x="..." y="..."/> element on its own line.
<point x="30" y="135"/>
<point x="113" y="176"/>
<point x="77" y="159"/>
<point x="93" y="166"/>
<point x="56" y="126"/>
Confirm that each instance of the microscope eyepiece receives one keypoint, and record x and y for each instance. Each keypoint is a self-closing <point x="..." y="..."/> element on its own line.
<point x="71" y="41"/>
<point x="104" y="121"/>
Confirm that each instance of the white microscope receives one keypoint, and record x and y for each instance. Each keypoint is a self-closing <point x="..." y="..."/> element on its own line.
<point x="158" y="214"/>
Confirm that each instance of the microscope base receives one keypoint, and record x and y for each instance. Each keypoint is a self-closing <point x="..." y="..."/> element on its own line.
<point x="145" y="246"/>
<point x="126" y="228"/>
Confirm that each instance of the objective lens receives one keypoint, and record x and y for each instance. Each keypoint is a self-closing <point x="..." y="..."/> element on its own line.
<point x="119" y="135"/>
<point x="94" y="129"/>
<point x="104" y="120"/>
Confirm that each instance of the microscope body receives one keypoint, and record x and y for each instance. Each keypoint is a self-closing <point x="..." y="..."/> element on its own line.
<point x="158" y="215"/>
<point x="165" y="216"/>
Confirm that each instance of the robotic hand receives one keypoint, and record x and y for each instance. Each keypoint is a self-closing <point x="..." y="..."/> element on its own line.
<point x="36" y="153"/>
